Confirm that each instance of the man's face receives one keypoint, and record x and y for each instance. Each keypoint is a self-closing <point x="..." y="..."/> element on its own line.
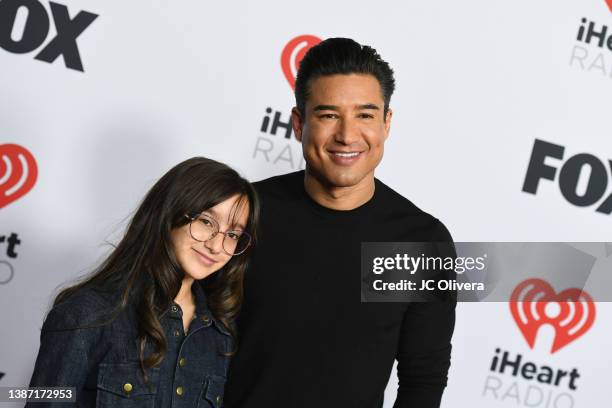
<point x="343" y="129"/>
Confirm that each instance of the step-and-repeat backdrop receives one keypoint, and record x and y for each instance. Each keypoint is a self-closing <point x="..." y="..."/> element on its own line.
<point x="500" y="129"/>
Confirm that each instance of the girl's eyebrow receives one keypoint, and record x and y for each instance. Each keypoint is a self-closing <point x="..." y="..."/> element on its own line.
<point x="212" y="213"/>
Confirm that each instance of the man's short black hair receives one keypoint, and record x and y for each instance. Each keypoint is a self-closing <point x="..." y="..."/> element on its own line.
<point x="342" y="56"/>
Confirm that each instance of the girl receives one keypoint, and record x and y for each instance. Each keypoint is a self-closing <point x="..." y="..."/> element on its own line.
<point x="152" y="326"/>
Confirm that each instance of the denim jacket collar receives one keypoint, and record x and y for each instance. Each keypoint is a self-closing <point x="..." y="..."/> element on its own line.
<point x="202" y="311"/>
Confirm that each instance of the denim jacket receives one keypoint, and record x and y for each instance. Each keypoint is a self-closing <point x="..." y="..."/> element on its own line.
<point x="102" y="361"/>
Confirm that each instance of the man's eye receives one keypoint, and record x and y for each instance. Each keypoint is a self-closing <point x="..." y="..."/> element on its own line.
<point x="328" y="116"/>
<point x="366" y="116"/>
<point x="206" y="222"/>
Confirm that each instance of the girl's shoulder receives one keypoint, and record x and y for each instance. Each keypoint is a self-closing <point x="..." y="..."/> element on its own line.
<point x="86" y="308"/>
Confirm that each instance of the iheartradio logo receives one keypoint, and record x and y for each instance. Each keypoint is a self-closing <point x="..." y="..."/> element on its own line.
<point x="293" y="53"/>
<point x="18" y="173"/>
<point x="534" y="303"/>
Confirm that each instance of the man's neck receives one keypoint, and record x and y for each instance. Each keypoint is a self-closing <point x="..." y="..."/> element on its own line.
<point x="339" y="198"/>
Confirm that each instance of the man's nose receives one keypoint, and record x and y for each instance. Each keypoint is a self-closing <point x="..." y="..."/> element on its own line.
<point x="347" y="131"/>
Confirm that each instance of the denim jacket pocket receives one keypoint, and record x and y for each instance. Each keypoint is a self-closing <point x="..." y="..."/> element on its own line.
<point x="122" y="385"/>
<point x="212" y="392"/>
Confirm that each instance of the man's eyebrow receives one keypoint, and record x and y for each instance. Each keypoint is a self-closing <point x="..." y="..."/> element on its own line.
<point x="371" y="106"/>
<point x="368" y="106"/>
<point x="326" y="107"/>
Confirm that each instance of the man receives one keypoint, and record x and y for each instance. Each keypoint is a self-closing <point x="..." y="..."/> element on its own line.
<point x="305" y="338"/>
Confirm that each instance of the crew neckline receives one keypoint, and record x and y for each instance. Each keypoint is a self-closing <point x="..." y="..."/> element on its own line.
<point x="337" y="214"/>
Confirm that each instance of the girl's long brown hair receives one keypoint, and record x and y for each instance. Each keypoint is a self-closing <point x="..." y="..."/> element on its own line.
<point x="143" y="269"/>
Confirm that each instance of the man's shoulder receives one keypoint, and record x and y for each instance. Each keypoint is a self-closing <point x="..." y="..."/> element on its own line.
<point x="398" y="206"/>
<point x="277" y="186"/>
<point x="396" y="202"/>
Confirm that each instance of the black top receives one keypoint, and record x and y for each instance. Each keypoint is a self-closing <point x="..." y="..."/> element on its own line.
<point x="305" y="338"/>
<point x="102" y="360"/>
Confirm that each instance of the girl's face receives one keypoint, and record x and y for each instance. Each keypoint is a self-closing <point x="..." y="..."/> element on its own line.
<point x="200" y="259"/>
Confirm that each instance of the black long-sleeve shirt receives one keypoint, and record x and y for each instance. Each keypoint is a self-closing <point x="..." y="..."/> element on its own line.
<point x="305" y="337"/>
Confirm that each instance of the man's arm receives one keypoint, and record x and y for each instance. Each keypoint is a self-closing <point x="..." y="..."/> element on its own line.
<point x="424" y="354"/>
<point x="425" y="346"/>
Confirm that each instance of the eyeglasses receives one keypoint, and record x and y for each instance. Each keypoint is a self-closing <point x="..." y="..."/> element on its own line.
<point x="204" y="228"/>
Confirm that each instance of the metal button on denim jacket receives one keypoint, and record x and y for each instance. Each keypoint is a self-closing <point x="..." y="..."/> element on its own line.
<point x="102" y="361"/>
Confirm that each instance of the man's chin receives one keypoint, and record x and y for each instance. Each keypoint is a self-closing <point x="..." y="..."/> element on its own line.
<point x="343" y="178"/>
<point x="332" y="176"/>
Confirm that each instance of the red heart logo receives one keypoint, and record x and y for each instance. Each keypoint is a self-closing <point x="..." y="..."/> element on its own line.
<point x="609" y="3"/>
<point x="18" y="173"/>
<point x="293" y="53"/>
<point x="534" y="303"/>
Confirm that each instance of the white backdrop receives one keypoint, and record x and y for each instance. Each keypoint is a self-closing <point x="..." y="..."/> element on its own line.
<point x="477" y="83"/>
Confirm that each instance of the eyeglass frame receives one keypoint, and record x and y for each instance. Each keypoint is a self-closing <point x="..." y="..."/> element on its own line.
<point x="192" y="218"/>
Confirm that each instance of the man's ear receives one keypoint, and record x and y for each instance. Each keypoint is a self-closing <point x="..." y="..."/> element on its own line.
<point x="388" y="122"/>
<point x="297" y="122"/>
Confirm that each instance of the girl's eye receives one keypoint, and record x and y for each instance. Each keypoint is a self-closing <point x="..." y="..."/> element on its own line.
<point x="233" y="235"/>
